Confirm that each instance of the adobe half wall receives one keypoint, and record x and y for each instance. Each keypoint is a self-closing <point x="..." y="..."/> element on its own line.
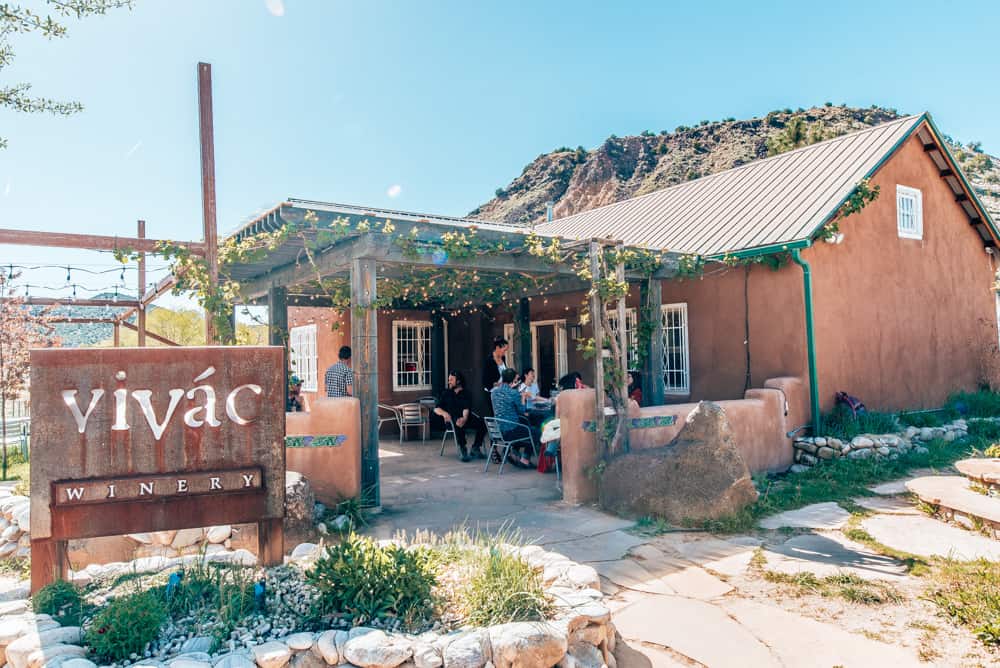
<point x="760" y="422"/>
<point x="902" y="323"/>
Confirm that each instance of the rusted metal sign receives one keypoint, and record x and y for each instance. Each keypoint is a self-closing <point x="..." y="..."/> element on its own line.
<point x="130" y="440"/>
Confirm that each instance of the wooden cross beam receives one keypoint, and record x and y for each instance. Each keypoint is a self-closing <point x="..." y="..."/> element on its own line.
<point x="91" y="241"/>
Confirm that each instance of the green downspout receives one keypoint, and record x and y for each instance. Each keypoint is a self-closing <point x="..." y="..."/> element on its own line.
<point x="810" y="339"/>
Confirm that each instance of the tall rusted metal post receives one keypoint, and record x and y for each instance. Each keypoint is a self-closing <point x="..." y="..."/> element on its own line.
<point x="364" y="359"/>
<point x="140" y="289"/>
<point x="208" y="208"/>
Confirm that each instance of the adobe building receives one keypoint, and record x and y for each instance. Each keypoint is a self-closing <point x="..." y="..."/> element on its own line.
<point x="897" y="306"/>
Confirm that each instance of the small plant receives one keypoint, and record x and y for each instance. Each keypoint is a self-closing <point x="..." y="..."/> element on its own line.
<point x="126" y="625"/>
<point x="926" y="418"/>
<point x="367" y="581"/>
<point x="62" y="600"/>
<point x="993" y="450"/>
<point x="850" y="587"/>
<point x="503" y="589"/>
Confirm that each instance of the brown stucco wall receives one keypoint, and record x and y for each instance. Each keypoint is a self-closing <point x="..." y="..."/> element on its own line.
<point x="901" y="323"/>
<point x="333" y="471"/>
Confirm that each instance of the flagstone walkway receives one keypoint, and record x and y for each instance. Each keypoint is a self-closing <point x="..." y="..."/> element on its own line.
<point x="679" y="599"/>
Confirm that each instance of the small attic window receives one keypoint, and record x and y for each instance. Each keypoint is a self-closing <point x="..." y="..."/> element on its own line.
<point x="909" y="213"/>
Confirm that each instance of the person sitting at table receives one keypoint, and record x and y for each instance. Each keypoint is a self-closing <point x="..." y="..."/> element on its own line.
<point x="635" y="387"/>
<point x="509" y="407"/>
<point x="495" y="364"/>
<point x="572" y="381"/>
<point x="455" y="408"/>
<point x="529" y="385"/>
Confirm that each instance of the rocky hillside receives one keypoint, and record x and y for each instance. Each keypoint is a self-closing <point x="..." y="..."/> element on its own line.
<point x="623" y="167"/>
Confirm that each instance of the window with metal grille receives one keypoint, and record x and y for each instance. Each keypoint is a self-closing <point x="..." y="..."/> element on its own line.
<point x="631" y="328"/>
<point x="909" y="213"/>
<point x="676" y="360"/>
<point x="411" y="355"/>
<point x="302" y="354"/>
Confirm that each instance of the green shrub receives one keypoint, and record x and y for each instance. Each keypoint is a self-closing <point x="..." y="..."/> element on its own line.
<point x="993" y="450"/>
<point x="984" y="403"/>
<point x="126" y="625"/>
<point x="365" y="581"/>
<point x="842" y="423"/>
<point x="503" y="589"/>
<point x="62" y="600"/>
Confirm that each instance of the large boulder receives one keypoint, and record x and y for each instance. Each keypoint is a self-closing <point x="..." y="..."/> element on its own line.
<point x="299" y="502"/>
<point x="699" y="475"/>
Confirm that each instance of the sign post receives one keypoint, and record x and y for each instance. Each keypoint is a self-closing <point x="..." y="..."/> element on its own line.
<point x="132" y="440"/>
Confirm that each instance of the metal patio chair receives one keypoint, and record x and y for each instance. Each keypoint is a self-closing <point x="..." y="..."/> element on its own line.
<point x="499" y="443"/>
<point x="387" y="413"/>
<point x="449" y="428"/>
<point x="411" y="415"/>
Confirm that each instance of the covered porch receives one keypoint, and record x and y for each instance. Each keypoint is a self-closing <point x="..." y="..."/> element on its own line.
<point x="470" y="281"/>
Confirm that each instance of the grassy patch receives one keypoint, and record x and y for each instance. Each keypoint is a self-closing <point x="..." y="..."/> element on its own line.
<point x="651" y="526"/>
<point x="985" y="429"/>
<point x="839" y="480"/>
<point x="969" y="593"/>
<point x="846" y="586"/>
<point x="927" y="418"/>
<point x="842" y="423"/>
<point x="975" y="404"/>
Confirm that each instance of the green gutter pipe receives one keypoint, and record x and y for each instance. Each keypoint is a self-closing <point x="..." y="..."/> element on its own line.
<point x="810" y="338"/>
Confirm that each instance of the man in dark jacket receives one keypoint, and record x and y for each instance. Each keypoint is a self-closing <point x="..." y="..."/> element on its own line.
<point x="455" y="408"/>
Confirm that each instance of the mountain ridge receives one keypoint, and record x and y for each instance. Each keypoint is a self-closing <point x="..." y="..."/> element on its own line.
<point x="623" y="167"/>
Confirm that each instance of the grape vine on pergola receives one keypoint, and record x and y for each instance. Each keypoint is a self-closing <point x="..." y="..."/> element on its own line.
<point x="305" y="253"/>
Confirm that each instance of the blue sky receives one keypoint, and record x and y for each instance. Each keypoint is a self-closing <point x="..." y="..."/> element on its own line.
<point x="430" y="106"/>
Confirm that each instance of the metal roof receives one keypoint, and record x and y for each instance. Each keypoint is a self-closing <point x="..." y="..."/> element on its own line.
<point x="778" y="200"/>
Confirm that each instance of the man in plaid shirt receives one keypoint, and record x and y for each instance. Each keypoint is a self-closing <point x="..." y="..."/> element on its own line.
<point x="339" y="378"/>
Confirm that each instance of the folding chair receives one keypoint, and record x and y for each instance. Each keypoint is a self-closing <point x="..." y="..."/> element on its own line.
<point x="498" y="442"/>
<point x="411" y="415"/>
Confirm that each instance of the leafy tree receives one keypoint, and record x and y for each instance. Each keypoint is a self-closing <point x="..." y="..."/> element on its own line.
<point x="21" y="328"/>
<point x="185" y="327"/>
<point x="14" y="20"/>
<point x="797" y="133"/>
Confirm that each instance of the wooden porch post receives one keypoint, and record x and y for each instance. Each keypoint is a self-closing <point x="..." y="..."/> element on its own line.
<point x="438" y="371"/>
<point x="522" y="334"/>
<point x="595" y="318"/>
<point x="277" y="320"/>
<point x="621" y="309"/>
<point x="653" y="308"/>
<point x="364" y="354"/>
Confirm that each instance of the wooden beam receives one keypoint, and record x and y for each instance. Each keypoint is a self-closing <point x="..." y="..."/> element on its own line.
<point x="90" y="241"/>
<point x="141" y="279"/>
<point x="118" y="335"/>
<point x="208" y="204"/>
<point x="364" y="345"/>
<point x="66" y="301"/>
<point x="155" y="337"/>
<point x="332" y="261"/>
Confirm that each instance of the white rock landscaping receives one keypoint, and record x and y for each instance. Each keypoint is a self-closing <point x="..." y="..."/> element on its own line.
<point x="811" y="450"/>
<point x="580" y="634"/>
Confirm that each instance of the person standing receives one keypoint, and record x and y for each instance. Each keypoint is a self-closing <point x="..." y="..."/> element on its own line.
<point x="495" y="364"/>
<point x="339" y="378"/>
<point x="455" y="408"/>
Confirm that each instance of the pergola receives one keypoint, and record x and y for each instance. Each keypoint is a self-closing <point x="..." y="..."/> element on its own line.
<point x="373" y="245"/>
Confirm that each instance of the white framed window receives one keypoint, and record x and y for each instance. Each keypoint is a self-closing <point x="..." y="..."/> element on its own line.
<point x="411" y="355"/>
<point x="302" y="354"/>
<point x="631" y="329"/>
<point x="909" y="213"/>
<point x="676" y="358"/>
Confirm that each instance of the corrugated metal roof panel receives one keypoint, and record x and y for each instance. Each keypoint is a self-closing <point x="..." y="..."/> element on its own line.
<point x="771" y="201"/>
